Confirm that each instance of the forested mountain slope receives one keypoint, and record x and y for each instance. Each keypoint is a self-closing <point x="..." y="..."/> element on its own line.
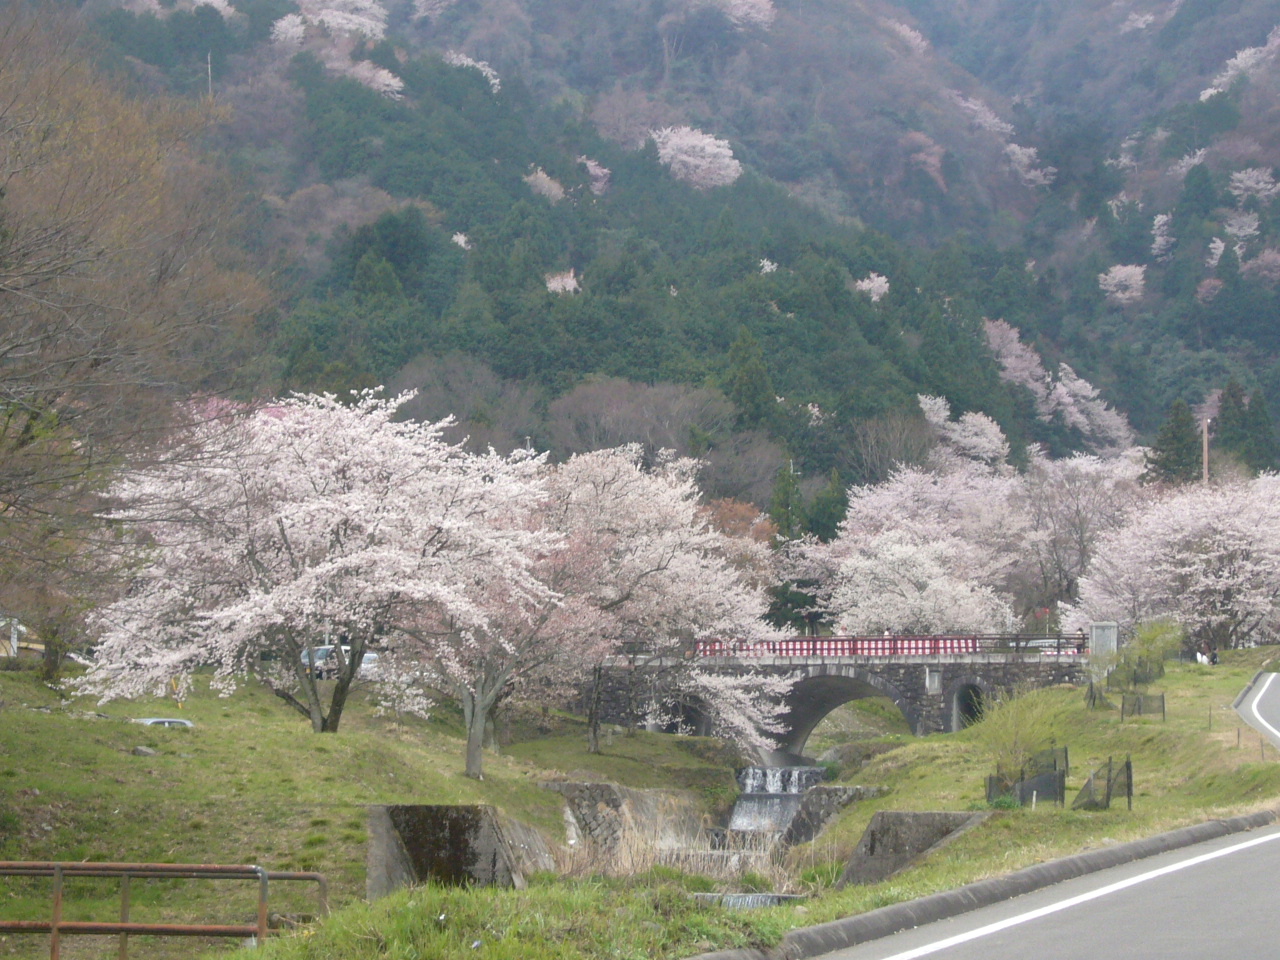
<point x="504" y="200"/>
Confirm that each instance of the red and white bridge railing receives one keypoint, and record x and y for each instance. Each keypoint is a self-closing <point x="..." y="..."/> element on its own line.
<point x="901" y="646"/>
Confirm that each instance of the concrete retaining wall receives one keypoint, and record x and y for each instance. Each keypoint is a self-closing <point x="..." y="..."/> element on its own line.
<point x="410" y="844"/>
<point x="894" y="840"/>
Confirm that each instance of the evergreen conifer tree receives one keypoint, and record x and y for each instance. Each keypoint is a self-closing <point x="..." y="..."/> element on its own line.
<point x="1198" y="195"/>
<point x="1230" y="431"/>
<point x="748" y="384"/>
<point x="1261" y="452"/>
<point x="823" y="515"/>
<point x="1174" y="457"/>
<point x="786" y="505"/>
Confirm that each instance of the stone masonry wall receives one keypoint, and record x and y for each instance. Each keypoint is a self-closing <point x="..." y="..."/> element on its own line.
<point x="605" y="812"/>
<point x="817" y="808"/>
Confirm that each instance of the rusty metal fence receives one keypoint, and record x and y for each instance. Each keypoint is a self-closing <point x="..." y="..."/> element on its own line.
<point x="57" y="928"/>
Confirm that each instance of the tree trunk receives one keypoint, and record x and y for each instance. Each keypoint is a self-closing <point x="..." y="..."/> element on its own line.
<point x="475" y="720"/>
<point x="341" y="687"/>
<point x="593" y="710"/>
<point x="491" y="734"/>
<point x="55" y="650"/>
<point x="315" y="713"/>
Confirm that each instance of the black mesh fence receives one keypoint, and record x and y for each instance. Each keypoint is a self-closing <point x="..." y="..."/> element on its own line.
<point x="1137" y="672"/>
<point x="1054" y="758"/>
<point x="1095" y="697"/>
<point x="1042" y="779"/>
<point x="1142" y="704"/>
<point x="1106" y="784"/>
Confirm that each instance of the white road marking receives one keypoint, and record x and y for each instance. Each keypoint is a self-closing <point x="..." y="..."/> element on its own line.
<point x="1052" y="908"/>
<point x="1254" y="707"/>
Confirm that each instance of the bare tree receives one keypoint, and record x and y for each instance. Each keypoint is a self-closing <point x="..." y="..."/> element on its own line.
<point x="114" y="275"/>
<point x="692" y="421"/>
<point x="884" y="442"/>
<point x="610" y="412"/>
<point x="490" y="411"/>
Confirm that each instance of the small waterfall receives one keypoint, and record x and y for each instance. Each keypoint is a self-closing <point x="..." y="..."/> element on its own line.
<point x="748" y="901"/>
<point x="770" y="799"/>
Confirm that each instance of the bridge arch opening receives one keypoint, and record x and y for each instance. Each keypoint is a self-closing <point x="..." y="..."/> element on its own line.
<point x="966" y="705"/>
<point x="813" y="699"/>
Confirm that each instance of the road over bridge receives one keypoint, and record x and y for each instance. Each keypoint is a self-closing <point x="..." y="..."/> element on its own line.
<point x="938" y="682"/>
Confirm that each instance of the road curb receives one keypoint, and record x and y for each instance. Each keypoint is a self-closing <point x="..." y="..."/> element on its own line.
<point x="839" y="934"/>
<point x="1248" y="689"/>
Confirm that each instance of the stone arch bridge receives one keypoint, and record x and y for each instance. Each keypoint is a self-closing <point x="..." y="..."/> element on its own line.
<point x="938" y="682"/>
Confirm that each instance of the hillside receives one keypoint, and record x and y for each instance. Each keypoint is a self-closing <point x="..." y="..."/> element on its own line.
<point x="249" y="783"/>
<point x="1012" y="158"/>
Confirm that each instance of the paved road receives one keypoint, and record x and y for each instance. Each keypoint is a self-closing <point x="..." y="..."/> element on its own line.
<point x="1261" y="708"/>
<point x="1213" y="900"/>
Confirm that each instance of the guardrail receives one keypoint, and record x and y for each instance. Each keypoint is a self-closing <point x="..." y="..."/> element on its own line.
<point x="898" y="646"/>
<point x="57" y="928"/>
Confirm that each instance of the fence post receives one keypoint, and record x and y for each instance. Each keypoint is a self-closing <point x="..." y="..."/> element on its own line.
<point x="124" y="916"/>
<point x="1128" y="765"/>
<point x="262" y="905"/>
<point x="54" y="947"/>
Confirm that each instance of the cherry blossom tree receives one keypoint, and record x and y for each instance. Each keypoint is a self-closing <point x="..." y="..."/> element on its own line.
<point x="950" y="522"/>
<point x="1206" y="556"/>
<point x="981" y="115"/>
<point x="873" y="285"/>
<point x="1265" y="266"/>
<point x="649" y="572"/>
<point x="431" y="10"/>
<point x="1070" y="505"/>
<point x="312" y="522"/>
<point x="743" y="13"/>
<point x="914" y="39"/>
<point x="1162" y="239"/>
<point x="1242" y="227"/>
<point x="1137" y="21"/>
<point x="457" y="59"/>
<point x="599" y="175"/>
<point x="290" y="31"/>
<point x="975" y="436"/>
<point x="909" y="581"/>
<point x="1123" y="283"/>
<point x="545" y="185"/>
<point x="332" y="29"/>
<point x="367" y="18"/>
<point x="1024" y="161"/>
<point x="563" y="282"/>
<point x="696" y="158"/>
<point x="1245" y="63"/>
<point x="1255" y="182"/>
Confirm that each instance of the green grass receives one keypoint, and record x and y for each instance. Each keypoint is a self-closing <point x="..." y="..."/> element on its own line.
<point x="251" y="784"/>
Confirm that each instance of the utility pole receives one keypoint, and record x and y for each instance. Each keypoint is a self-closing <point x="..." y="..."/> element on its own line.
<point x="1204" y="448"/>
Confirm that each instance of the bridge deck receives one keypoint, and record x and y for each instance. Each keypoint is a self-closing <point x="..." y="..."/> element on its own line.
<point x="823" y="648"/>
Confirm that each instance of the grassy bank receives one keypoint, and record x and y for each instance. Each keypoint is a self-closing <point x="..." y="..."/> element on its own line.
<point x="251" y="784"/>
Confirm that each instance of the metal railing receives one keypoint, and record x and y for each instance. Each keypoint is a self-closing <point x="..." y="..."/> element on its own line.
<point x="57" y="928"/>
<point x="897" y="646"/>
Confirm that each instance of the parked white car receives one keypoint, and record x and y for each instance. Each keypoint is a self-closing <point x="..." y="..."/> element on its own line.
<point x="325" y="664"/>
